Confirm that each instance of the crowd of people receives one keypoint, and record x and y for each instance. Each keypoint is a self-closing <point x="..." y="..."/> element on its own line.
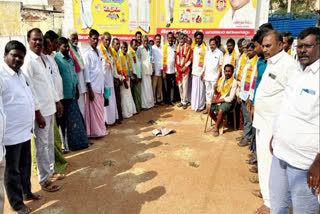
<point x="57" y="92"/>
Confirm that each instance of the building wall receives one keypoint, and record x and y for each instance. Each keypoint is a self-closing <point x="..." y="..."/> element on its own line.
<point x="10" y="18"/>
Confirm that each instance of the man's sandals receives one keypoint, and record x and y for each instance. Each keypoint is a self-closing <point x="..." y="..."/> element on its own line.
<point x="49" y="187"/>
<point x="24" y="210"/>
<point x="57" y="176"/>
<point x="32" y="197"/>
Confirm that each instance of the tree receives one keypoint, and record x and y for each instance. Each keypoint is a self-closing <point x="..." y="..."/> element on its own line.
<point x="297" y="6"/>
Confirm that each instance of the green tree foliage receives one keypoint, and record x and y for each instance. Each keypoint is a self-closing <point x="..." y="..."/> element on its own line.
<point x="297" y="6"/>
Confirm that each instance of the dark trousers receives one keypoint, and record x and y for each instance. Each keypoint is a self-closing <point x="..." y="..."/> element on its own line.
<point x="171" y="85"/>
<point x="253" y="146"/>
<point x="118" y="99"/>
<point x="247" y="124"/>
<point x="17" y="174"/>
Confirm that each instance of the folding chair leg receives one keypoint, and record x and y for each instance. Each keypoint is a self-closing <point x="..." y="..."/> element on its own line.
<point x="205" y="128"/>
<point x="234" y="120"/>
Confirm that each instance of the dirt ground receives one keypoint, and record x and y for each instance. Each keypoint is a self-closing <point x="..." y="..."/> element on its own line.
<point x="131" y="171"/>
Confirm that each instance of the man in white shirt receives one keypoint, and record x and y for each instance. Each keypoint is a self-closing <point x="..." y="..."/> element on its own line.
<point x="269" y="95"/>
<point x="231" y="56"/>
<point x="157" y="50"/>
<point x="198" y="88"/>
<point x="94" y="116"/>
<point x="2" y="155"/>
<point x="212" y="63"/>
<point x="109" y="67"/>
<point x="18" y="106"/>
<point x="169" y="70"/>
<point x="295" y="169"/>
<point x="242" y="14"/>
<point x="46" y="101"/>
<point x="82" y="72"/>
<point x="146" y="58"/>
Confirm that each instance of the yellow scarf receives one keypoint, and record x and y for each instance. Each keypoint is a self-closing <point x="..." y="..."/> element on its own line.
<point x="104" y="52"/>
<point x="289" y="52"/>
<point x="243" y="62"/>
<point x="124" y="60"/>
<point x="232" y="61"/>
<point x="116" y="59"/>
<point x="193" y="45"/>
<point x="223" y="86"/>
<point x="133" y="54"/>
<point x="249" y="72"/>
<point x="165" y="57"/>
<point x="202" y="53"/>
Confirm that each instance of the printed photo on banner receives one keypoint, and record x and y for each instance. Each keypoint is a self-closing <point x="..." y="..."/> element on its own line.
<point x="207" y="16"/>
<point x="197" y="3"/>
<point x="184" y="15"/>
<point x="185" y="3"/>
<point x="208" y="3"/>
<point x="196" y="15"/>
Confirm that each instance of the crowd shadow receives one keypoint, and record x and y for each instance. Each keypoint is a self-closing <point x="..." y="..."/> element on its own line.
<point x="105" y="178"/>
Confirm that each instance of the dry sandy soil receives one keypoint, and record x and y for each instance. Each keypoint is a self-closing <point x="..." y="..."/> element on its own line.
<point x="131" y="171"/>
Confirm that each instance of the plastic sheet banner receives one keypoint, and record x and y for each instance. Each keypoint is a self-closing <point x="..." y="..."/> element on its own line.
<point x="212" y="17"/>
<point x="121" y="18"/>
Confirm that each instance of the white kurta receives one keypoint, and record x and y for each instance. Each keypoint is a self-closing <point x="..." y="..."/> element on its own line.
<point x="85" y="13"/>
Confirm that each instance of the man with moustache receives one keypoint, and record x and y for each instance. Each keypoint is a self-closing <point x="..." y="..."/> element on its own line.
<point x="46" y="100"/>
<point x="157" y="50"/>
<point x="295" y="169"/>
<point x="231" y="56"/>
<point x="138" y="36"/>
<point x="287" y="41"/>
<point x="280" y="69"/>
<point x="81" y="70"/>
<point x="94" y="114"/>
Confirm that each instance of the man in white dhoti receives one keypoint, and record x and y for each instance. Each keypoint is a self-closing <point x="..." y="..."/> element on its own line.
<point x="157" y="76"/>
<point x="109" y="67"/>
<point x="145" y="55"/>
<point x="212" y="63"/>
<point x="169" y="5"/>
<point x="85" y="14"/>
<point x="133" y="14"/>
<point x="144" y="15"/>
<point x="127" y="103"/>
<point x="268" y="98"/>
<point x="82" y="71"/>
<point x="242" y="14"/>
<point x="198" y="88"/>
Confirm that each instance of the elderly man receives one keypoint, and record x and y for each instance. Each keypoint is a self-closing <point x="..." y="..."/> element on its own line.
<point x="198" y="87"/>
<point x="46" y="100"/>
<point x="222" y="103"/>
<point x="82" y="72"/>
<point x="169" y="73"/>
<point x="157" y="51"/>
<point x="268" y="98"/>
<point x="146" y="57"/>
<point x="295" y="169"/>
<point x="94" y="115"/>
<point x="18" y="106"/>
<point x="109" y="68"/>
<point x="212" y="63"/>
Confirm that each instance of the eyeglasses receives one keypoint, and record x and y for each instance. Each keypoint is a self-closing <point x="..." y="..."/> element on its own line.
<point x="306" y="46"/>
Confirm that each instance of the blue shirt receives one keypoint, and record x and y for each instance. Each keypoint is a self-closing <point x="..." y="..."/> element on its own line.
<point x="68" y="75"/>
<point x="261" y="67"/>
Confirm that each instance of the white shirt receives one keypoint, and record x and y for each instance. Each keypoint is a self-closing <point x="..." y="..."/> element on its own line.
<point x="93" y="63"/>
<point x="56" y="77"/>
<point x="243" y="18"/>
<point x="271" y="89"/>
<point x="146" y="65"/>
<point x="227" y="60"/>
<point x="39" y="78"/>
<point x="18" y="106"/>
<point x="212" y="62"/>
<point x="108" y="69"/>
<point x="196" y="69"/>
<point x="157" y="56"/>
<point x="171" y="59"/>
<point x="2" y="131"/>
<point x="83" y="76"/>
<point x="296" y="128"/>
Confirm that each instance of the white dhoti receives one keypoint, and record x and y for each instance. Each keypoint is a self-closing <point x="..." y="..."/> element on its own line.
<point x="146" y="92"/>
<point x="111" y="111"/>
<point x="263" y="137"/>
<point x="127" y="104"/>
<point x="197" y="94"/>
<point x="85" y="13"/>
<point x="169" y="5"/>
<point x="144" y="15"/>
<point x="133" y="15"/>
<point x="82" y="104"/>
<point x="209" y="91"/>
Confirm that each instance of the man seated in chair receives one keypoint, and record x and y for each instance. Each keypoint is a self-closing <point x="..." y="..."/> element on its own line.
<point x="223" y="100"/>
